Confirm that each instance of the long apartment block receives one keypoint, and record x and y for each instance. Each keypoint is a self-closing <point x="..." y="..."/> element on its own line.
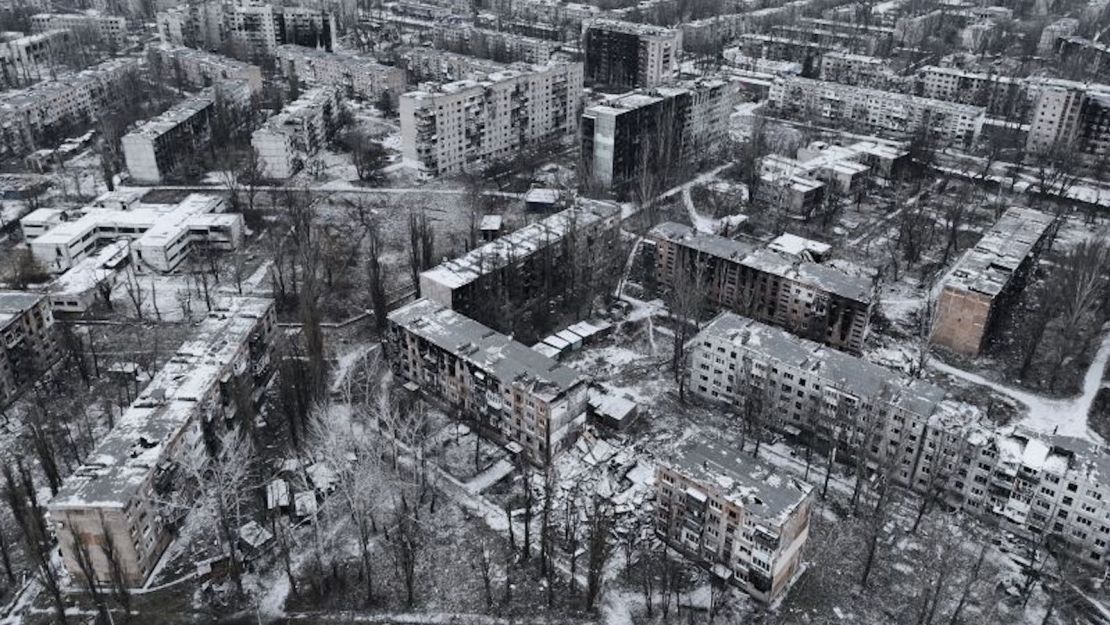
<point x="513" y="392"/>
<point x="874" y="111"/>
<point x="511" y="270"/>
<point x="136" y="487"/>
<point x="782" y="283"/>
<point x="28" y="345"/>
<point x="439" y="66"/>
<point x="200" y="69"/>
<point x="492" y="44"/>
<point x="627" y="54"/>
<point x="44" y="114"/>
<point x="908" y="430"/>
<point x="110" y="29"/>
<point x="300" y="130"/>
<point x="160" y="236"/>
<point x="454" y="127"/>
<point x="985" y="281"/>
<point x="161" y="145"/>
<point x="255" y="29"/>
<point x="649" y="132"/>
<point x="357" y="75"/>
<point x="743" y="519"/>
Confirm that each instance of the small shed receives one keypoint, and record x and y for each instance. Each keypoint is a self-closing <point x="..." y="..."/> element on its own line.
<point x="323" y="477"/>
<point x="541" y="200"/>
<point x="573" y="340"/>
<point x="304" y="503"/>
<point x="491" y="226"/>
<point x="253" y="537"/>
<point x="547" y="350"/>
<point x="611" y="410"/>
<point x="277" y="494"/>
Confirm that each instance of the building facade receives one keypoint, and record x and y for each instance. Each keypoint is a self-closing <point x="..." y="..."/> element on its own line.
<point x="987" y="278"/>
<point x="781" y="284"/>
<point x="25" y="60"/>
<point x="356" y="75"/>
<point x="896" y="114"/>
<point x="740" y="518"/>
<point x="299" y="131"/>
<point x="199" y="69"/>
<point x="503" y="47"/>
<point x="502" y="284"/>
<point x="512" y="392"/>
<point x="471" y="123"/>
<point x="247" y="28"/>
<point x="111" y="30"/>
<point x="28" y="341"/>
<point x="626" y="54"/>
<point x="648" y="133"/>
<point x="139" y="483"/>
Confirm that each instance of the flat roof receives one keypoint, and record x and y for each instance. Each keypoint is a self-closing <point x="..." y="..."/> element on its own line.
<point x="125" y="458"/>
<point x="988" y="267"/>
<point x="512" y="363"/>
<point x="760" y="489"/>
<point x="769" y="260"/>
<point x="519" y="244"/>
<point x="15" y="303"/>
<point x="848" y="374"/>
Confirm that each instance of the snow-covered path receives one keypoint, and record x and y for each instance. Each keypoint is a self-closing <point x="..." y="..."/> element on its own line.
<point x="1065" y="417"/>
<point x="701" y="223"/>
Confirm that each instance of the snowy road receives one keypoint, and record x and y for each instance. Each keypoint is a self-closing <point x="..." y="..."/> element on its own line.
<point x="701" y="223"/>
<point x="1065" y="417"/>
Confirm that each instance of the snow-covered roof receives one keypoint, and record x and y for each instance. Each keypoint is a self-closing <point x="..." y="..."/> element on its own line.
<point x="510" y="362"/>
<point x="157" y="421"/>
<point x="989" y="266"/>
<point x="14" y="303"/>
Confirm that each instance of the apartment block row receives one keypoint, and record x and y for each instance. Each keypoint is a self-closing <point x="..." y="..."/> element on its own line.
<point x="111" y="30"/>
<point x="28" y="59"/>
<point x="651" y="132"/>
<point x="626" y="54"/>
<point x="44" y="114"/>
<point x="199" y="69"/>
<point x="908" y="430"/>
<point x="503" y="47"/>
<point x="160" y="236"/>
<point x="710" y="33"/>
<point x="28" y="341"/>
<point x="300" y="130"/>
<point x="741" y="518"/>
<point x="502" y="282"/>
<point x="138" y="485"/>
<point x="897" y="114"/>
<point x="358" y="76"/>
<point x="247" y="27"/>
<point x="988" y="278"/>
<point x="513" y="393"/>
<point x="161" y="146"/>
<point x="789" y="282"/>
<point x="439" y="66"/>
<point x="453" y="127"/>
<point x="999" y="95"/>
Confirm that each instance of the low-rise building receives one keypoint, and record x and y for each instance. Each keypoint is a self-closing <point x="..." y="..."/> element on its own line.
<point x="987" y="279"/>
<point x="299" y="131"/>
<point x="513" y="393"/>
<point x="500" y="284"/>
<point x="138" y="484"/>
<point x="742" y="519"/>
<point x="161" y="236"/>
<point x="159" y="147"/>
<point x="897" y="114"/>
<point x="111" y="30"/>
<point x="663" y="134"/>
<point x="627" y="54"/>
<point x="801" y="185"/>
<point x="785" y="283"/>
<point x="28" y="345"/>
<point x="458" y="126"/>
<point x="76" y="290"/>
<point x="357" y="75"/>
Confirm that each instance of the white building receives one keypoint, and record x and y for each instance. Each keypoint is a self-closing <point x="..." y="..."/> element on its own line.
<point x="357" y="75"/>
<point x="161" y="235"/>
<point x="897" y="114"/>
<point x="453" y="127"/>
<point x="110" y="29"/>
<point x="287" y="139"/>
<point x="203" y="69"/>
<point x="497" y="45"/>
<point x="75" y="291"/>
<point x="256" y="29"/>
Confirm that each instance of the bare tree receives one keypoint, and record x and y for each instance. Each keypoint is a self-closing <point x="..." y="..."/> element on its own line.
<point x="407" y="542"/>
<point x="421" y="245"/>
<point x="599" y="547"/>
<point x="135" y="291"/>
